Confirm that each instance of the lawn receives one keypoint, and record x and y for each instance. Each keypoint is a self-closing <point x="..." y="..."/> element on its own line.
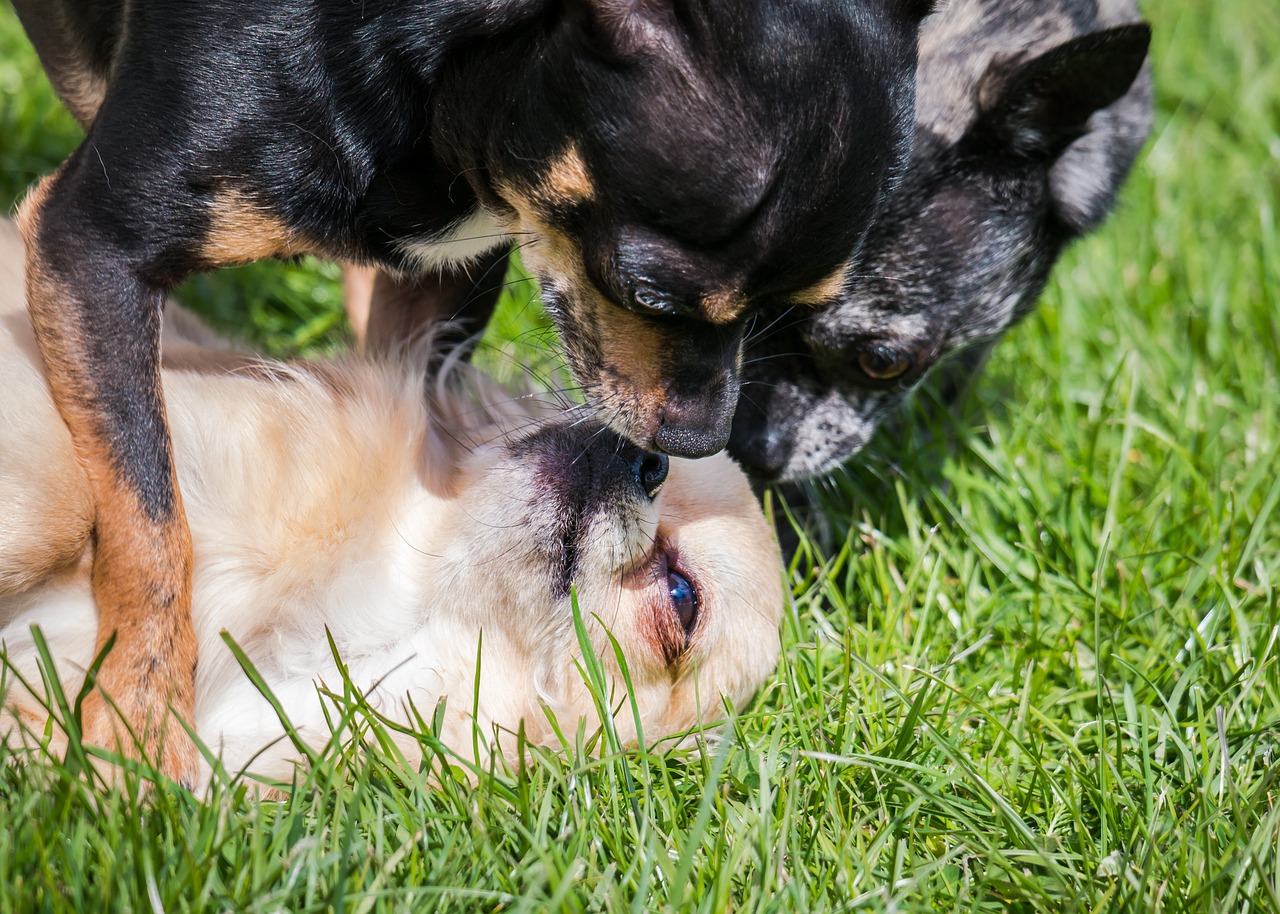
<point x="1041" y="672"/>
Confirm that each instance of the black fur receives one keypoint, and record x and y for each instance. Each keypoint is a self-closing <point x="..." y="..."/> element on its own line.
<point x="1007" y="169"/>
<point x="739" y="145"/>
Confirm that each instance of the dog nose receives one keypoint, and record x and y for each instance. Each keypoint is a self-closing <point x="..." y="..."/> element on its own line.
<point x="696" y="425"/>
<point x="761" y="447"/>
<point x="649" y="470"/>
<point x="682" y="441"/>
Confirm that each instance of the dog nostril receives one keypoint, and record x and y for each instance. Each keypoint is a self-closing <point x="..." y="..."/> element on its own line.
<point x="651" y="472"/>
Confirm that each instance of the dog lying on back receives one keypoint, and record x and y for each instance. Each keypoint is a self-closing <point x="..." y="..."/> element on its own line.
<point x="335" y="498"/>
<point x="670" y="166"/>
<point x="1029" y="117"/>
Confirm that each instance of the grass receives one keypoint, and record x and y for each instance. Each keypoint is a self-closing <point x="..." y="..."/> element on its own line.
<point x="1040" y="674"/>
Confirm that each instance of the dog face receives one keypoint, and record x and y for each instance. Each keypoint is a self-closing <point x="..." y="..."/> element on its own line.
<point x="431" y="541"/>
<point x="676" y="166"/>
<point x="673" y="561"/>
<point x="962" y="251"/>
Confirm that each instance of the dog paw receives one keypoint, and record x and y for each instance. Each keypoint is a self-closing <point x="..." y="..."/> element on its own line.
<point x="147" y="730"/>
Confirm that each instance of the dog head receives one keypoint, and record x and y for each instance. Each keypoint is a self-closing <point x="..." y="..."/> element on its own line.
<point x="963" y="250"/>
<point x="673" y="166"/>
<point x="670" y="559"/>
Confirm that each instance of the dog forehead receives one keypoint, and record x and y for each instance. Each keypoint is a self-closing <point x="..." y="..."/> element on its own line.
<point x="736" y="137"/>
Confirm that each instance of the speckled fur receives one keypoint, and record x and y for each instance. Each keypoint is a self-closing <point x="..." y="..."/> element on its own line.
<point x="969" y="237"/>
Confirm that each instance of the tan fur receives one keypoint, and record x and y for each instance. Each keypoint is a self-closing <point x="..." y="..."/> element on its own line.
<point x="614" y="351"/>
<point x="398" y="313"/>
<point x="334" y="498"/>
<point x="552" y="248"/>
<point x="241" y="232"/>
<point x="825" y="291"/>
<point x="567" y="180"/>
<point x="82" y="90"/>
<point x="46" y="525"/>
<point x="724" y="306"/>
<point x="631" y="381"/>
<point x="357" y="296"/>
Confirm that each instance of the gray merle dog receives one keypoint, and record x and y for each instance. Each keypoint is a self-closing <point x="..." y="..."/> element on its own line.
<point x="1029" y="117"/>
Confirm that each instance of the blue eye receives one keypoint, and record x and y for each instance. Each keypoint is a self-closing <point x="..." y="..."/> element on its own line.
<point x="684" y="598"/>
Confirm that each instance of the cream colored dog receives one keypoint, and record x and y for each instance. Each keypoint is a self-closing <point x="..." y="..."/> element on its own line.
<point x="424" y="533"/>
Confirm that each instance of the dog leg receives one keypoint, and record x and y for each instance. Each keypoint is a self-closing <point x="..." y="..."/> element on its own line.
<point x="388" y="313"/>
<point x="97" y="322"/>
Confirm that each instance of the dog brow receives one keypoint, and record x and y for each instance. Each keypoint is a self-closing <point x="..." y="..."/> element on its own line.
<point x="824" y="291"/>
<point x="724" y="306"/>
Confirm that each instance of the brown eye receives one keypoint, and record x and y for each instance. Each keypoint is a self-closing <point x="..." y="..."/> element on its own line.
<point x="883" y="363"/>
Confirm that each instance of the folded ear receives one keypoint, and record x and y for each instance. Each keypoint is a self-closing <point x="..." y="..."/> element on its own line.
<point x="621" y="28"/>
<point x="1039" y="106"/>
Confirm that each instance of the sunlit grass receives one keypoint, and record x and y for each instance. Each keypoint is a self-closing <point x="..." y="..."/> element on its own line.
<point x="1039" y="673"/>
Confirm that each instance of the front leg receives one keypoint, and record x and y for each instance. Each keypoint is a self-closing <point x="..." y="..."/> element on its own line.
<point x="97" y="322"/>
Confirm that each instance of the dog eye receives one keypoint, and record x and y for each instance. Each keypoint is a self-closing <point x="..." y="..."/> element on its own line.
<point x="883" y="363"/>
<point x="684" y="597"/>
<point x="651" y="302"/>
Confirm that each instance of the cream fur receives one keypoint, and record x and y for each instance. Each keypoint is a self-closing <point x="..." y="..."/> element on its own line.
<point x="335" y="496"/>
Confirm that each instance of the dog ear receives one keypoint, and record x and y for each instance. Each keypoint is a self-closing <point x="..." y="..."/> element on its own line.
<point x="1038" y="107"/>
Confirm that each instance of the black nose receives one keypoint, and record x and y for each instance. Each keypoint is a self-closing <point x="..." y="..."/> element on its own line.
<point x="762" y="446"/>
<point x="650" y="472"/>
<point x="682" y="441"/>
<point x="697" y="417"/>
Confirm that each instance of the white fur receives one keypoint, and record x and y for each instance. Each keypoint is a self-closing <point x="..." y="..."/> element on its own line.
<point x="476" y="234"/>
<point x="329" y="497"/>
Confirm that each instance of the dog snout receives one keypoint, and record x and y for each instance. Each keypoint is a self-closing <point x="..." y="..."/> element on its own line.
<point x="762" y="447"/>
<point x="697" y="423"/>
<point x="589" y="464"/>
<point x="624" y="468"/>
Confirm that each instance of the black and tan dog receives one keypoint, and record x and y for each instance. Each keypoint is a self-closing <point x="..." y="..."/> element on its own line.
<point x="1029" y="117"/>
<point x="429" y="532"/>
<point x="670" y="165"/>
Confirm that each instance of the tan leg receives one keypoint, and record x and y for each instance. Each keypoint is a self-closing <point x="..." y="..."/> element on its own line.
<point x="98" y="331"/>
